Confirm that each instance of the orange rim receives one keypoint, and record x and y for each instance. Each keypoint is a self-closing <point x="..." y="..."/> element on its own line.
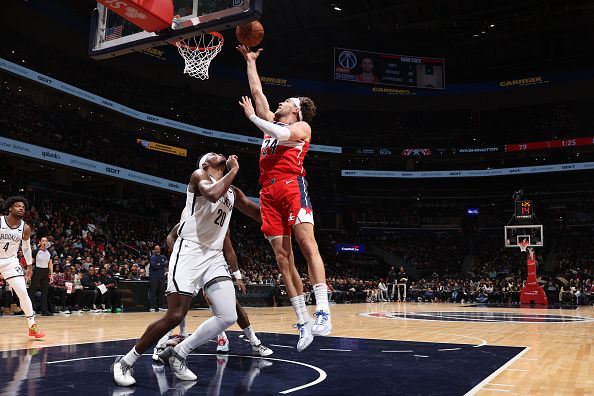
<point x="218" y="35"/>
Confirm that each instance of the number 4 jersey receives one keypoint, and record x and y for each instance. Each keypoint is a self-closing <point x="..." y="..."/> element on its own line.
<point x="206" y="222"/>
<point x="10" y="238"/>
<point x="281" y="159"/>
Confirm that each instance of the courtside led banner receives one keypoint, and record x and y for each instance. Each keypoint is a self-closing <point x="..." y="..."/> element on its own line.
<point x="520" y="170"/>
<point x="73" y="161"/>
<point x="164" y="148"/>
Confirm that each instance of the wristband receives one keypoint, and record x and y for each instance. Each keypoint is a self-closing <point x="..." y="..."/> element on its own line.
<point x="237" y="274"/>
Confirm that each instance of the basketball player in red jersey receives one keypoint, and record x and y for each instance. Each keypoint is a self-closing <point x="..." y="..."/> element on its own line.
<point x="285" y="205"/>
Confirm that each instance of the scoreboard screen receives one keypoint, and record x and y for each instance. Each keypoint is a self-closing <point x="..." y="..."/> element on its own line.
<point x="524" y="209"/>
<point x="388" y="69"/>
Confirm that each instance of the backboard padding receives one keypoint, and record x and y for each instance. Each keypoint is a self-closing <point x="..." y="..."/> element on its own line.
<point x="112" y="35"/>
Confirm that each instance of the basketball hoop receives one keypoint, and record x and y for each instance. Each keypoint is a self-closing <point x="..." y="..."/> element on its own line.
<point x="198" y="52"/>
<point x="523" y="245"/>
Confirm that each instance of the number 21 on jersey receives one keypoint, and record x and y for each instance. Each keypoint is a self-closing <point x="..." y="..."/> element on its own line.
<point x="269" y="146"/>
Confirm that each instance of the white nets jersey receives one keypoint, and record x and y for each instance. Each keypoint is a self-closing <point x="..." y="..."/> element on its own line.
<point x="10" y="238"/>
<point x="206" y="222"/>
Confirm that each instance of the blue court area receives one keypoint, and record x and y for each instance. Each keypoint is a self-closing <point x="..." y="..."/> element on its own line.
<point x="330" y="366"/>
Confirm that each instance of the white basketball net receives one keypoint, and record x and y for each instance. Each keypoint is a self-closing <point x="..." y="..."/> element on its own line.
<point x="198" y="52"/>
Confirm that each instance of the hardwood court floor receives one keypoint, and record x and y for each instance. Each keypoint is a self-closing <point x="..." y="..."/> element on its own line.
<point x="559" y="359"/>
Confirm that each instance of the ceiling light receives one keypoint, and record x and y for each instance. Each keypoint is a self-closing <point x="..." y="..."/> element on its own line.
<point x="337" y="8"/>
<point x="491" y="25"/>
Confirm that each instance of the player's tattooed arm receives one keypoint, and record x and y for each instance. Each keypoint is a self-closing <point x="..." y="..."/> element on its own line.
<point x="210" y="190"/>
<point x="231" y="258"/>
<point x="246" y="205"/>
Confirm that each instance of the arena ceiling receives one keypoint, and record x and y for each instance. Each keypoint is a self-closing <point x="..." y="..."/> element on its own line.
<point x="480" y="39"/>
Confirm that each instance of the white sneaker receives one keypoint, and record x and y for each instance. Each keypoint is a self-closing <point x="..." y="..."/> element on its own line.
<point x="222" y="344"/>
<point x="261" y="350"/>
<point x="305" y="336"/>
<point x="158" y="349"/>
<point x="122" y="373"/>
<point x="322" y="325"/>
<point x="177" y="364"/>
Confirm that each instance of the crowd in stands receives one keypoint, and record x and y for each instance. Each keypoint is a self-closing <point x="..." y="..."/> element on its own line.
<point x="102" y="242"/>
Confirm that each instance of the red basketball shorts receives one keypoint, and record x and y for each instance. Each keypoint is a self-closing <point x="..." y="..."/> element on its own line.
<point x="283" y="204"/>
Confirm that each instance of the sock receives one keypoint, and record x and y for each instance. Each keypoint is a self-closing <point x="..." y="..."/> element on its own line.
<point x="183" y="331"/>
<point x="298" y="311"/>
<point x="222" y="335"/>
<point x="30" y="320"/>
<point x="131" y="357"/>
<point x="249" y="333"/>
<point x="303" y="308"/>
<point x="321" y="292"/>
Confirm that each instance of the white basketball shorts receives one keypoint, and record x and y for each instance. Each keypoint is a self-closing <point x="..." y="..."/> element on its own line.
<point x="192" y="266"/>
<point x="10" y="267"/>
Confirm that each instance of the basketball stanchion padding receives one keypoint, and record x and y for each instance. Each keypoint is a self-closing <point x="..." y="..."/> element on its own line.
<point x="198" y="52"/>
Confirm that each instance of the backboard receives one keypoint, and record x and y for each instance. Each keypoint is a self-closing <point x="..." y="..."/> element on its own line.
<point x="112" y="35"/>
<point x="516" y="233"/>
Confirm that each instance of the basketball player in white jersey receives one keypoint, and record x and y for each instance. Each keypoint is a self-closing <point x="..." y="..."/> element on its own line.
<point x="284" y="202"/>
<point x="197" y="260"/>
<point x="14" y="233"/>
<point x="243" y="320"/>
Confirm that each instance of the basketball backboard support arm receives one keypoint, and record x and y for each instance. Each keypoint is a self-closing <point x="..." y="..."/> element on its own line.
<point x="107" y="41"/>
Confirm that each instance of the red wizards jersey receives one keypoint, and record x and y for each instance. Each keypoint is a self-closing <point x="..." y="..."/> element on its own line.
<point x="281" y="159"/>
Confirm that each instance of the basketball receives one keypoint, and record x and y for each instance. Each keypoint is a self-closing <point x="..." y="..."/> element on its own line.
<point x="250" y="34"/>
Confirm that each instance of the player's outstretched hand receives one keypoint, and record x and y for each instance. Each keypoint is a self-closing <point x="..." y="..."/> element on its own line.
<point x="248" y="54"/>
<point x="232" y="162"/>
<point x="248" y="107"/>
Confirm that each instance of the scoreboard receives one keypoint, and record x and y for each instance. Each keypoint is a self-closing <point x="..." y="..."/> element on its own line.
<point x="524" y="209"/>
<point x="388" y="69"/>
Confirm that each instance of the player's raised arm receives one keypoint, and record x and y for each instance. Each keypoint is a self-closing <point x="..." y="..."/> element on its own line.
<point x="215" y="190"/>
<point x="246" y="205"/>
<point x="262" y="106"/>
<point x="295" y="132"/>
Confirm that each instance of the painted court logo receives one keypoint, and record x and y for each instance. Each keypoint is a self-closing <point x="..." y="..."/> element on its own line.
<point x="478" y="316"/>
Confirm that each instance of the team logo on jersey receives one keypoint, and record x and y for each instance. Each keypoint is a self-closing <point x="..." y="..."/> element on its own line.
<point x="291" y="217"/>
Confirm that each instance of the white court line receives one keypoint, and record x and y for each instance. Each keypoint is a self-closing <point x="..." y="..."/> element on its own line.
<point x="449" y="349"/>
<point x="516" y="369"/>
<point x="501" y="384"/>
<point x="337" y="350"/>
<point x="281" y="346"/>
<point x="495" y="390"/>
<point x="423" y="356"/>
<point x="322" y="374"/>
<point x="397" y="351"/>
<point x="496" y="373"/>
